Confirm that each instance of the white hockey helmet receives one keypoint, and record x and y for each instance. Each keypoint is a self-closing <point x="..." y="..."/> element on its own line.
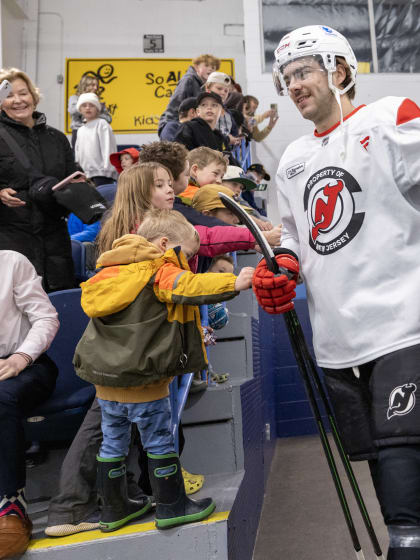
<point x="313" y="40"/>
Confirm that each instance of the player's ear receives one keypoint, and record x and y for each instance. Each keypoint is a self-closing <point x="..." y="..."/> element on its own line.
<point x="339" y="75"/>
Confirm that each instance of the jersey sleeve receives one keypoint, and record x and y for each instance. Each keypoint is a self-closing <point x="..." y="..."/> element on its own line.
<point x="407" y="136"/>
<point x="289" y="234"/>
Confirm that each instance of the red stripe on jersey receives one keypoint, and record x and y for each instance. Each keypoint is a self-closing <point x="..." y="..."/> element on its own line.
<point x="407" y="112"/>
<point x="334" y="126"/>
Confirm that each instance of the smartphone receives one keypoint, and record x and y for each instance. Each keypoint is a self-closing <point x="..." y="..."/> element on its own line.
<point x="273" y="107"/>
<point x="73" y="178"/>
<point x="5" y="89"/>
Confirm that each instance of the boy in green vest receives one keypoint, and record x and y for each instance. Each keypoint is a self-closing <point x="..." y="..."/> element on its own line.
<point x="144" y="330"/>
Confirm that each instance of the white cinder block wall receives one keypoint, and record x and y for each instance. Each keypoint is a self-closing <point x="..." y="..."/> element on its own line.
<point x="38" y="35"/>
<point x="60" y="29"/>
<point x="290" y="126"/>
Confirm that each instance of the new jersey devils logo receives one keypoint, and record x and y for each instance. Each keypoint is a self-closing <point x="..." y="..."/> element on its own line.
<point x="401" y="400"/>
<point x="324" y="211"/>
<point x="330" y="207"/>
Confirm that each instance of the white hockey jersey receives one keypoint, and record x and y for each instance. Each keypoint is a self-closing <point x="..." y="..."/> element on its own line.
<point x="355" y="225"/>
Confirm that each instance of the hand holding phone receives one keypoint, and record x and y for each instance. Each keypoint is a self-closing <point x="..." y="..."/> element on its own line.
<point x="274" y="108"/>
<point x="76" y="177"/>
<point x="5" y="89"/>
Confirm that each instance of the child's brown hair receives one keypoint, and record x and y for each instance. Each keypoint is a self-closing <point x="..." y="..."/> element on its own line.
<point x="208" y="59"/>
<point x="203" y="156"/>
<point x="223" y="257"/>
<point x="135" y="187"/>
<point x="172" y="154"/>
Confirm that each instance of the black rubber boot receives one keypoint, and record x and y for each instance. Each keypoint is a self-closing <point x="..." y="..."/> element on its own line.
<point x="173" y="507"/>
<point x="117" y="508"/>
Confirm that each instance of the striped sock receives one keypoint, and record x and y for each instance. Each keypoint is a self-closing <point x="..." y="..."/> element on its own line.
<point x="14" y="505"/>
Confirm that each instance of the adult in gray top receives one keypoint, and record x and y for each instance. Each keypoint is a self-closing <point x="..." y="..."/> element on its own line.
<point x="87" y="84"/>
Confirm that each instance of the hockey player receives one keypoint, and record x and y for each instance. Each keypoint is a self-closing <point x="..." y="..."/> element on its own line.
<point x="349" y="200"/>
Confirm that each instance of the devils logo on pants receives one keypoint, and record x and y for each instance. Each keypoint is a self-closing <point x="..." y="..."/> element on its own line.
<point x="401" y="400"/>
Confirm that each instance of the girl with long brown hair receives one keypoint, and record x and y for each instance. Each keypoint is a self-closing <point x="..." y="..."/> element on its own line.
<point x="141" y="187"/>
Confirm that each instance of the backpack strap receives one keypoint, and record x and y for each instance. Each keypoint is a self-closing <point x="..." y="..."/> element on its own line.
<point x="16" y="149"/>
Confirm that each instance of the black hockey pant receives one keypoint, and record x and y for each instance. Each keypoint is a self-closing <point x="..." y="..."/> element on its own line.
<point x="378" y="415"/>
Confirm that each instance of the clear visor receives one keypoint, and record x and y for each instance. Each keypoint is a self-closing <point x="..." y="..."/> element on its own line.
<point x="298" y="70"/>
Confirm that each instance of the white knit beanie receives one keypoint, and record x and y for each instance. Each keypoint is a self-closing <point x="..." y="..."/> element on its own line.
<point x="88" y="98"/>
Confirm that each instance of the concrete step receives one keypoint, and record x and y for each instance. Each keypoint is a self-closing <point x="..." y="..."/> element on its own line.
<point x="206" y="540"/>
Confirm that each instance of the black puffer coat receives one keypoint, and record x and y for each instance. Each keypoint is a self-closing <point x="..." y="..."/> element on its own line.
<point x="43" y="238"/>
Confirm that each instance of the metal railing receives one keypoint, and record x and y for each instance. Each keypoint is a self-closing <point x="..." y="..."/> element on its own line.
<point x="243" y="154"/>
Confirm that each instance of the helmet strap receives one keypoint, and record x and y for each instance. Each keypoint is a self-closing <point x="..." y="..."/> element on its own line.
<point x="337" y="94"/>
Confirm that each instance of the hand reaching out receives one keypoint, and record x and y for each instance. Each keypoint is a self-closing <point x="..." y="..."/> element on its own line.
<point x="273" y="236"/>
<point x="244" y="278"/>
<point x="262" y="224"/>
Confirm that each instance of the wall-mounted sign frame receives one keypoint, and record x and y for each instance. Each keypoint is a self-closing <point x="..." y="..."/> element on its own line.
<point x="136" y="91"/>
<point x="153" y="44"/>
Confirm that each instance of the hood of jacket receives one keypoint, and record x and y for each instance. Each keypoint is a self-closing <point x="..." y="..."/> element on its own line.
<point x="126" y="269"/>
<point x="192" y="72"/>
<point x="128" y="249"/>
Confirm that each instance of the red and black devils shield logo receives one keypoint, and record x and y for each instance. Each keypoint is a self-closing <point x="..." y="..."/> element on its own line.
<point x="330" y="207"/>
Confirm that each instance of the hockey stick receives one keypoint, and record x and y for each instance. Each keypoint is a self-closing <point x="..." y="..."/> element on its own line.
<point x="294" y="327"/>
<point x="302" y="354"/>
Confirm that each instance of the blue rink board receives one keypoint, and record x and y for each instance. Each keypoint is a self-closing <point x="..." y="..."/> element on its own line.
<point x="293" y="413"/>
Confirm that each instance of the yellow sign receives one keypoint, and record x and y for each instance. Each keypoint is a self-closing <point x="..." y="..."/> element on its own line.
<point x="363" y="67"/>
<point x="136" y="91"/>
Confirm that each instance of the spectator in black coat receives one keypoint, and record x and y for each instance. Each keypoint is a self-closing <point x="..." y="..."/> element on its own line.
<point x="202" y="131"/>
<point x="26" y="226"/>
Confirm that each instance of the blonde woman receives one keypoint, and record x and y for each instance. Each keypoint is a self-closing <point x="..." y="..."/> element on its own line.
<point x="36" y="229"/>
<point x="87" y="84"/>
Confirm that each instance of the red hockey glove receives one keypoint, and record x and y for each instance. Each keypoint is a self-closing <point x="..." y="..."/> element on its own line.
<point x="275" y="293"/>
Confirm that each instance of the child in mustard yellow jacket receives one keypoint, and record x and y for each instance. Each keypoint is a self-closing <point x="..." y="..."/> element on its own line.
<point x="145" y="329"/>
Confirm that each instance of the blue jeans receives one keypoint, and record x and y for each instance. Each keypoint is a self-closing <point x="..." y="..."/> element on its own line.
<point x="153" y="419"/>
